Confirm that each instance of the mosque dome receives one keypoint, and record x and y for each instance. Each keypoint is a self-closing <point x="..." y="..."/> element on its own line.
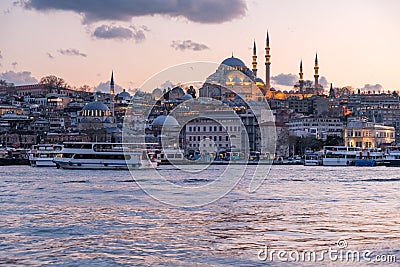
<point x="157" y="92"/>
<point x="187" y="97"/>
<point x="139" y="94"/>
<point x="95" y="109"/>
<point x="124" y="95"/>
<point x="233" y="62"/>
<point x="165" y="121"/>
<point x="95" y="105"/>
<point x="259" y="80"/>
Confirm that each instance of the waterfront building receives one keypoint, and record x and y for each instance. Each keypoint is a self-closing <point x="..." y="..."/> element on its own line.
<point x="364" y="134"/>
<point x="318" y="127"/>
<point x="222" y="130"/>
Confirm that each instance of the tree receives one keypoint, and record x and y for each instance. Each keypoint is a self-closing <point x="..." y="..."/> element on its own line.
<point x="85" y="88"/>
<point x="344" y="91"/>
<point x="52" y="81"/>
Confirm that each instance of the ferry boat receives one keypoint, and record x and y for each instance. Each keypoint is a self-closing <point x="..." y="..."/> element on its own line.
<point x="42" y="155"/>
<point x="392" y="156"/>
<point x="369" y="158"/>
<point x="312" y="159"/>
<point x="13" y="156"/>
<point x="339" y="155"/>
<point x="104" y="156"/>
<point x="171" y="155"/>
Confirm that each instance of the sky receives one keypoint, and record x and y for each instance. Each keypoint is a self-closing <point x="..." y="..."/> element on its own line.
<point x="83" y="41"/>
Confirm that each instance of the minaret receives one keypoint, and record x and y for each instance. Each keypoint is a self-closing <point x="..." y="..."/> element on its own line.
<point x="301" y="81"/>
<point x="316" y="75"/>
<point x="112" y="93"/>
<point x="267" y="65"/>
<point x="254" y="59"/>
<point x="332" y="92"/>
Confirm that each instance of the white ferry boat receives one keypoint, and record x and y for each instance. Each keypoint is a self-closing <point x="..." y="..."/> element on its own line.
<point x="171" y="155"/>
<point x="103" y="156"/>
<point x="42" y="155"/>
<point x="312" y="159"/>
<point x="339" y="155"/>
<point x="392" y="156"/>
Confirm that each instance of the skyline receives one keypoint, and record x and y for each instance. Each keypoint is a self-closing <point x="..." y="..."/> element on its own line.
<point x="354" y="39"/>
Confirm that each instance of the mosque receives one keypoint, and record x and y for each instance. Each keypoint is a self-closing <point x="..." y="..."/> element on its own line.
<point x="233" y="75"/>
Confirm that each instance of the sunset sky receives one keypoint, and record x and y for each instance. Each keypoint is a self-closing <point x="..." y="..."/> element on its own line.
<point x="357" y="41"/>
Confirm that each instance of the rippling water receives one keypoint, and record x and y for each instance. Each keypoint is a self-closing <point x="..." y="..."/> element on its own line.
<point x="102" y="218"/>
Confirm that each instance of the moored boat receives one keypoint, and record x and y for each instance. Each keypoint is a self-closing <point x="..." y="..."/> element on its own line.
<point x="339" y="155"/>
<point x="104" y="156"/>
<point x="312" y="159"/>
<point x="42" y="155"/>
<point x="369" y="158"/>
<point x="392" y="156"/>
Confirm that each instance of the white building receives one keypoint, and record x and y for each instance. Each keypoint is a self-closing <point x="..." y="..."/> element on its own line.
<point x="219" y="129"/>
<point x="359" y="133"/>
<point x="319" y="127"/>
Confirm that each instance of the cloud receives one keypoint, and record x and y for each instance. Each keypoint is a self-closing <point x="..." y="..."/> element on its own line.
<point x="119" y="32"/>
<point x="188" y="45"/>
<point x="50" y="55"/>
<point x="202" y="11"/>
<point x="285" y="79"/>
<point x="167" y="84"/>
<point x="105" y="87"/>
<point x="14" y="64"/>
<point x="18" y="78"/>
<point x="372" y="87"/>
<point x="1" y="57"/>
<point x="71" y="52"/>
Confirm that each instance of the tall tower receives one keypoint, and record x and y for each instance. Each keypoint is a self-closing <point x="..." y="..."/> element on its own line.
<point x="112" y="93"/>
<point x="301" y="81"/>
<point x="316" y="75"/>
<point x="267" y="64"/>
<point x="254" y="59"/>
<point x="332" y="92"/>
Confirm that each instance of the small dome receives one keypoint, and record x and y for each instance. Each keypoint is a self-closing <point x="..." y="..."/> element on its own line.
<point x="177" y="90"/>
<point x="259" y="80"/>
<point x="187" y="97"/>
<point x="96" y="105"/>
<point x="157" y="92"/>
<point x="165" y="120"/>
<point x="139" y="94"/>
<point x="124" y="95"/>
<point x="233" y="62"/>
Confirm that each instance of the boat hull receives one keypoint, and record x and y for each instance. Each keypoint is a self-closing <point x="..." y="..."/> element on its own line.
<point x="42" y="162"/>
<point x="336" y="162"/>
<point x="10" y="162"/>
<point x="392" y="163"/>
<point x="365" y="162"/>
<point x="118" y="165"/>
